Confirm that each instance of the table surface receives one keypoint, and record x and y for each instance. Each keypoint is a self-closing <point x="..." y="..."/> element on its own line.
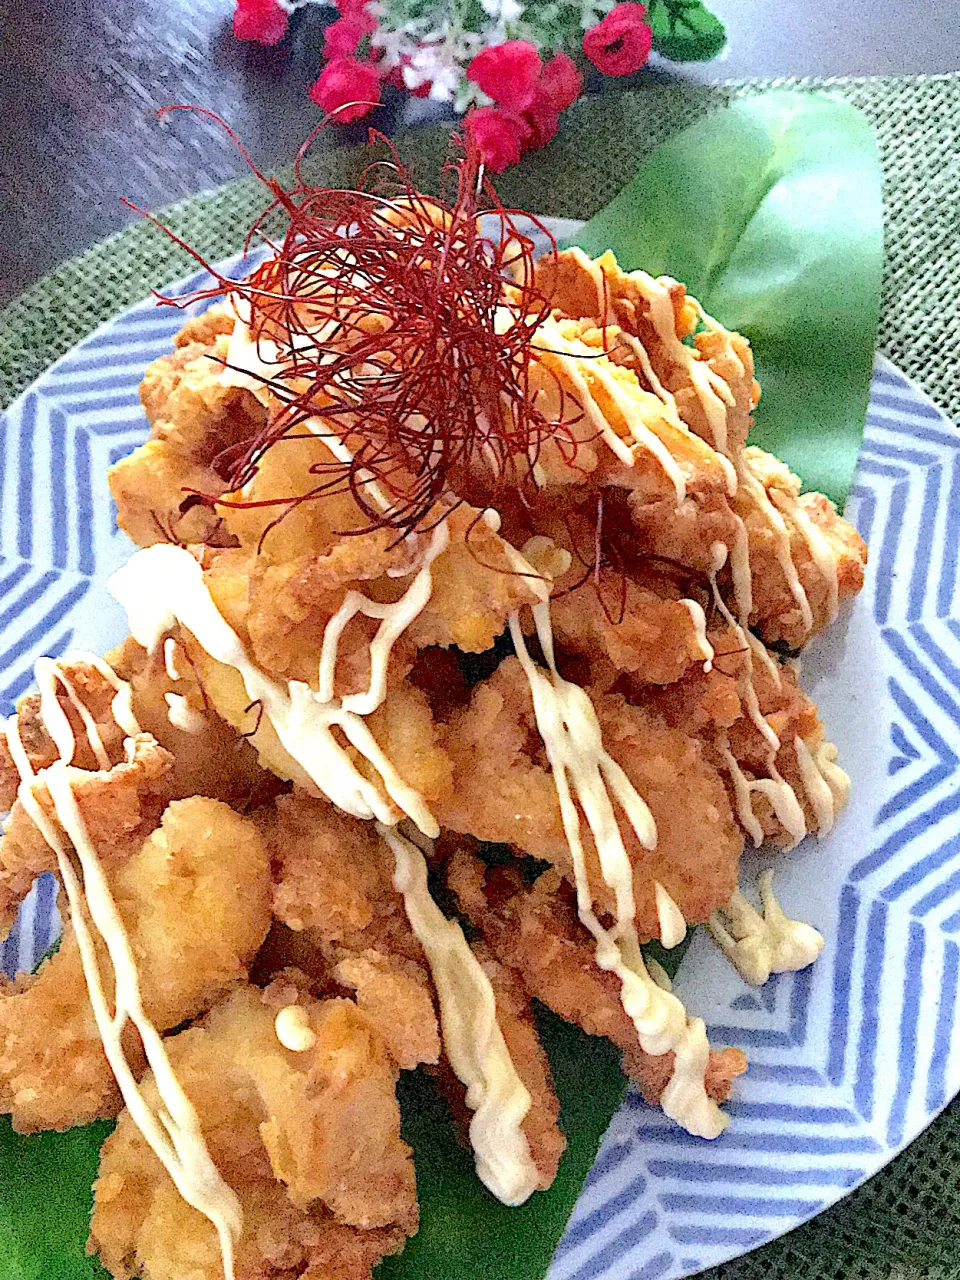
<point x="81" y="81"/>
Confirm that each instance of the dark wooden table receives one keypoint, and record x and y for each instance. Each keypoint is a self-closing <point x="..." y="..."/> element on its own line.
<point x="80" y="80"/>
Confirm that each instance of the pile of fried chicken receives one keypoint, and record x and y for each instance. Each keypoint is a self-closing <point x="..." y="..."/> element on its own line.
<point x="245" y="891"/>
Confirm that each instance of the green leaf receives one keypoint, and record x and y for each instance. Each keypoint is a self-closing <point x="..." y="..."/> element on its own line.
<point x="770" y="211"/>
<point x="685" y="31"/>
<point x="45" y="1201"/>
<point x="465" y="1234"/>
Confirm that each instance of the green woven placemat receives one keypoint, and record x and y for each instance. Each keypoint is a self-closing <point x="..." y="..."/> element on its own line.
<point x="905" y="1222"/>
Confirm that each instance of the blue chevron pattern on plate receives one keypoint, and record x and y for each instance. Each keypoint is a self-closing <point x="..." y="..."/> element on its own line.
<point x="849" y="1060"/>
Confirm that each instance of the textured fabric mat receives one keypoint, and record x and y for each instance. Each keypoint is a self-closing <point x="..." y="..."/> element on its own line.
<point x="905" y="1222"/>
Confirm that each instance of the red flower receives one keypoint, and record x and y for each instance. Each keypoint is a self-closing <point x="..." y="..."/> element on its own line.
<point x="262" y="20"/>
<point x="540" y="119"/>
<point x="497" y="135"/>
<point x="341" y="38"/>
<point x="507" y="73"/>
<point x="346" y="86"/>
<point x="620" y="44"/>
<point x="561" y="81"/>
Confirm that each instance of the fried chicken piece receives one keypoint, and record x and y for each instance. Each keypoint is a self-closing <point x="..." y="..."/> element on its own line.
<point x="194" y="417"/>
<point x="536" y="933"/>
<point x="120" y="805"/>
<point x="334" y="885"/>
<point x="209" y="757"/>
<point x="710" y="705"/>
<point x="195" y="901"/>
<point x="309" y="1141"/>
<point x="402" y="727"/>
<point x="811" y="520"/>
<point x="659" y="316"/>
<point x="504" y="792"/>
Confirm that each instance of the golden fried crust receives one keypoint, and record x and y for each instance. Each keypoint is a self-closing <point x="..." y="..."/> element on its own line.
<point x="310" y="1142"/>
<point x="570" y="283"/>
<point x="195" y="901"/>
<point x="210" y="760"/>
<point x="119" y="807"/>
<point x="503" y="791"/>
<point x="334" y="889"/>
<point x="776" y="615"/>
<point x="536" y="933"/>
<point x="540" y="1125"/>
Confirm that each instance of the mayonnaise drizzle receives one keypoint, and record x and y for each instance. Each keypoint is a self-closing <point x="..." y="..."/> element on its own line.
<point x="173" y="1129"/>
<point x="760" y="944"/>
<point x="751" y="485"/>
<point x="582" y="769"/>
<point x="629" y="406"/>
<point x="472" y="1037"/>
<point x="825" y="783"/>
<point x="164" y="585"/>
<point x="395" y="618"/>
<point x="821" y="552"/>
<point x="293" y="1030"/>
<point x="182" y="716"/>
<point x="673" y="927"/>
<point x="699" y="620"/>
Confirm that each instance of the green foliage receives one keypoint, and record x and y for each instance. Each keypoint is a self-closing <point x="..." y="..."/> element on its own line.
<point x="45" y="1201"/>
<point x="465" y="1234"/>
<point x="770" y="211"/>
<point x="685" y="31"/>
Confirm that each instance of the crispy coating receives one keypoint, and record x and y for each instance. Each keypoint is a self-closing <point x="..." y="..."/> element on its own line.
<point x="120" y="805"/>
<point x="309" y="1141"/>
<point x="503" y="791"/>
<point x="334" y="886"/>
<point x="195" y="901"/>
<point x="573" y="285"/>
<point x="193" y="417"/>
<point x="536" y="933"/>
<point x="211" y="759"/>
<point x="775" y="614"/>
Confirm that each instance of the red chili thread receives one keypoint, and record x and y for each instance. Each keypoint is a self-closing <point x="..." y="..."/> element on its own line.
<point x="406" y="331"/>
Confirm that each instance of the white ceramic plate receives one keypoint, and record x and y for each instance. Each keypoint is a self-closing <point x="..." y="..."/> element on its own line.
<point x="848" y="1060"/>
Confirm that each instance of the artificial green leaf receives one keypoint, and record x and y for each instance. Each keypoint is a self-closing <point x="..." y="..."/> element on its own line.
<point x="685" y="30"/>
<point x="45" y="1201"/>
<point x="770" y="212"/>
<point x="465" y="1234"/>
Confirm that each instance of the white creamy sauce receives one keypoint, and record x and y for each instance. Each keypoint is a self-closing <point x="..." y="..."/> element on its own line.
<point x="163" y="585"/>
<point x="781" y="541"/>
<point x="760" y="944"/>
<point x="182" y="716"/>
<point x="821" y="552"/>
<point x="825" y="783"/>
<point x="699" y="620"/>
<point x="583" y="772"/>
<point x="170" y="658"/>
<point x="782" y="797"/>
<point x="472" y="1037"/>
<point x="629" y="407"/>
<point x="293" y="1030"/>
<point x="395" y="618"/>
<point x="173" y="1129"/>
<point x="709" y="387"/>
<point x="673" y="927"/>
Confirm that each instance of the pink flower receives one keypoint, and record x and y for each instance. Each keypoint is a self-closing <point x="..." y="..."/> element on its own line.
<point x="540" y="119"/>
<point x="561" y="81"/>
<point x="341" y="38"/>
<point x="498" y="136"/>
<point x="261" y="20"/>
<point x="620" y="44"/>
<point x="507" y="73"/>
<point x="348" y="87"/>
